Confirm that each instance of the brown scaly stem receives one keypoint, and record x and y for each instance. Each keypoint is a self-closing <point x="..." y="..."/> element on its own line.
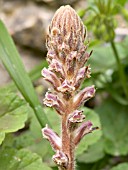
<point x="68" y="145"/>
<point x="67" y="57"/>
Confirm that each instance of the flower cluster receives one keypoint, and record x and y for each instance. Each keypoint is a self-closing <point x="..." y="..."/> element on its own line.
<point x="67" y="57"/>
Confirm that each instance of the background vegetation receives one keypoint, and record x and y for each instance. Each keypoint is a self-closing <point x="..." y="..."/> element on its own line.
<point x="21" y="112"/>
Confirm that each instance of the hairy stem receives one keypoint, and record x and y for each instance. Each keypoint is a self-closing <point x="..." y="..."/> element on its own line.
<point x="68" y="145"/>
<point x="120" y="69"/>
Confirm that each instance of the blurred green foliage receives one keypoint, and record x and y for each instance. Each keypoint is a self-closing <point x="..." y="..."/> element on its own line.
<point x="21" y="138"/>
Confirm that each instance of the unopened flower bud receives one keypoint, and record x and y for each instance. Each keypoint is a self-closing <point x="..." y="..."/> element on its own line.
<point x="74" y="33"/>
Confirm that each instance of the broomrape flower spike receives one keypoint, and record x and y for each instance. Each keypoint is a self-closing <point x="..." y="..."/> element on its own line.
<point x="67" y="56"/>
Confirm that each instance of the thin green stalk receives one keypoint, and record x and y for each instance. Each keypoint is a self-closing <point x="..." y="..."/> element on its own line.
<point x="120" y="69"/>
<point x="13" y="63"/>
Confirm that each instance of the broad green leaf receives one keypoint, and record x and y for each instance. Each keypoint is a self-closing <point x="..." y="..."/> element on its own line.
<point x="13" y="112"/>
<point x="41" y="145"/>
<point x="12" y="61"/>
<point x="122" y="166"/>
<point x="12" y="159"/>
<point x="94" y="153"/>
<point x="34" y="141"/>
<point x="114" y="120"/>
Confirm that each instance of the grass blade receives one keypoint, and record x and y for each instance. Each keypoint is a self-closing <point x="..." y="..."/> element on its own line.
<point x="12" y="61"/>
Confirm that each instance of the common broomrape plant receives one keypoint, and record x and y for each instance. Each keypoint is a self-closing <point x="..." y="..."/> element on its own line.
<point x="67" y="57"/>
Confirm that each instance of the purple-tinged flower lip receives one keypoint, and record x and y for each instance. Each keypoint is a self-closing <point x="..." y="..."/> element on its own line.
<point x="91" y="92"/>
<point x="50" y="77"/>
<point x="76" y="117"/>
<point x="52" y="100"/>
<point x="66" y="87"/>
<point x="52" y="137"/>
<point x="57" y="66"/>
<point x="60" y="159"/>
<point x="82" y="73"/>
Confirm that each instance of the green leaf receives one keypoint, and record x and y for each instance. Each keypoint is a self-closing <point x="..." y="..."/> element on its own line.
<point x="114" y="118"/>
<point x="13" y="113"/>
<point x="92" y="137"/>
<point x="11" y="159"/>
<point x="2" y="136"/>
<point x="116" y="96"/>
<point x="14" y="65"/>
<point x="40" y="145"/>
<point x="121" y="2"/>
<point x="99" y="165"/>
<point x="33" y="139"/>
<point x="105" y="53"/>
<point x="122" y="166"/>
<point x="94" y="153"/>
